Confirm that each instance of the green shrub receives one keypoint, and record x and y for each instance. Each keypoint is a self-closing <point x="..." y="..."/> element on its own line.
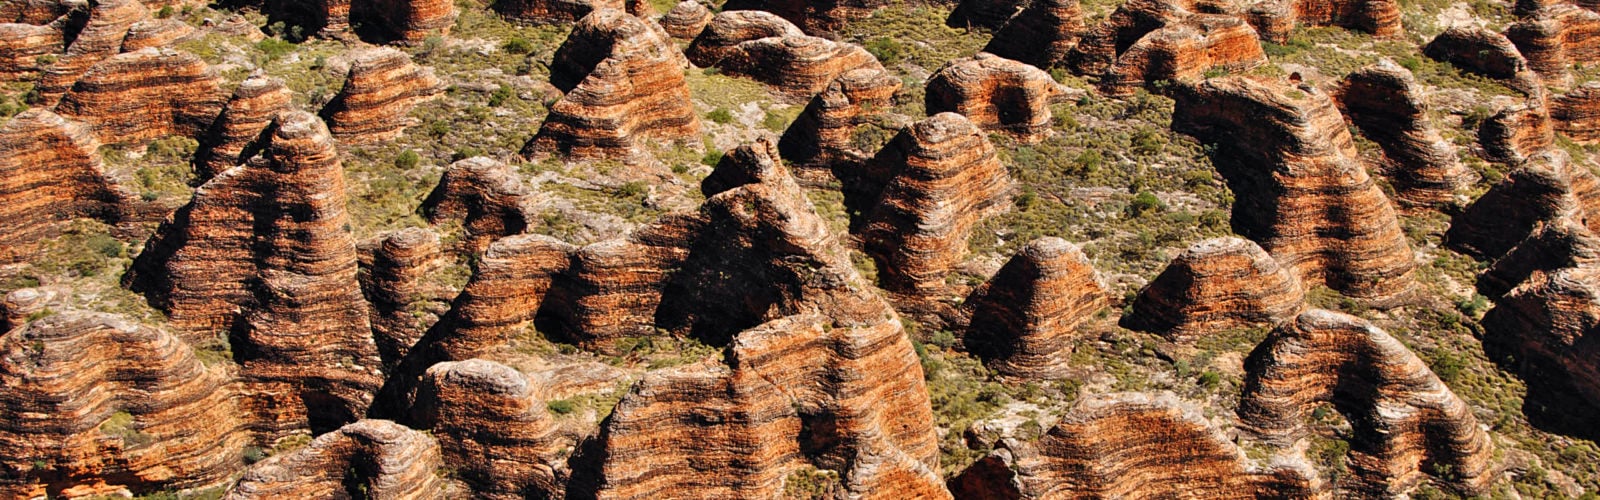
<point x="720" y="116"/>
<point x="712" y="158"/>
<point x="518" y="45"/>
<point x="165" y="12"/>
<point x="888" y="50"/>
<point x="501" y="95"/>
<point x="1143" y="203"/>
<point x="562" y="406"/>
<point x="407" y="160"/>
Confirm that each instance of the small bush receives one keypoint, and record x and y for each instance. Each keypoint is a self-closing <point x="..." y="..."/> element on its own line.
<point x="888" y="50"/>
<point x="721" y="116"/>
<point x="407" y="160"/>
<point x="501" y="95"/>
<point x="165" y="12"/>
<point x="274" y="49"/>
<point x="712" y="158"/>
<point x="562" y="406"/>
<point x="1143" y="203"/>
<point x="518" y="45"/>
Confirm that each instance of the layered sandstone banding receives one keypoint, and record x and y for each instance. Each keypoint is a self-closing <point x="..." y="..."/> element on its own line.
<point x="1216" y="285"/>
<point x="236" y="134"/>
<point x="50" y="174"/>
<point x="997" y="95"/>
<point x="554" y="11"/>
<point x="263" y="252"/>
<point x="1486" y="53"/>
<point x="1516" y="133"/>
<point x="1025" y="318"/>
<point x="1042" y="35"/>
<point x="822" y="137"/>
<point x="1275" y="19"/>
<point x="156" y="33"/>
<point x="100" y="38"/>
<point x="492" y="425"/>
<point x="771" y="50"/>
<point x="400" y="285"/>
<point x="507" y="288"/>
<point x="24" y="47"/>
<point x="1546" y="326"/>
<point x="1385" y="102"/>
<point x="990" y="14"/>
<point x="1303" y="193"/>
<point x="686" y="20"/>
<point x="93" y="403"/>
<point x="407" y="21"/>
<point x="940" y="176"/>
<point x="1577" y="113"/>
<point x="377" y="457"/>
<point x="815" y="17"/>
<point x="1556" y="38"/>
<point x="144" y="95"/>
<point x="1406" y="423"/>
<point x="488" y="198"/>
<point x="381" y="89"/>
<point x="1100" y="47"/>
<point x="1546" y="188"/>
<point x="623" y="79"/>
<point x="1129" y="445"/>
<point x="1562" y="243"/>
<point x="613" y="288"/>
<point x="1185" y="50"/>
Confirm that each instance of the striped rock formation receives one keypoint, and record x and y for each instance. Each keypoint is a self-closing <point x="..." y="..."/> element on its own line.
<point x="762" y="46"/>
<point x="157" y="33"/>
<point x="1406" y="423"/>
<point x="50" y="174"/>
<point x="1517" y="132"/>
<point x="613" y="289"/>
<point x="100" y="38"/>
<point x="1557" y="244"/>
<point x="997" y="95"/>
<point x="1486" y="53"/>
<point x="1546" y="188"/>
<point x="686" y="20"/>
<point x="236" y="134"/>
<point x="381" y="89"/>
<point x="1100" y="47"/>
<point x="23" y="45"/>
<point x="1303" y="193"/>
<point x="624" y="84"/>
<point x="815" y="17"/>
<point x="821" y="138"/>
<point x="1025" y="318"/>
<point x="398" y="285"/>
<point x="1042" y="35"/>
<point x="1556" y="38"/>
<point x="1545" y="326"/>
<point x="406" y="21"/>
<point x="493" y="427"/>
<point x="1129" y="445"/>
<point x="555" y="11"/>
<point x="377" y="457"/>
<point x="488" y="198"/>
<point x="508" y="286"/>
<point x="1577" y="113"/>
<point x="1275" y="19"/>
<point x="1213" y="286"/>
<point x="1386" y="104"/>
<point x="1185" y="50"/>
<point x="140" y="96"/>
<point x="95" y="404"/>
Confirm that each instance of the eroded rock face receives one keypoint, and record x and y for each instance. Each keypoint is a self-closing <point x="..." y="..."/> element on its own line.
<point x="990" y="14"/>
<point x="381" y="458"/>
<point x="1098" y="49"/>
<point x="1577" y="113"/>
<point x="493" y="427"/>
<point x="1124" y="445"/>
<point x="1303" y="194"/>
<point x="623" y="79"/>
<point x="1185" y="50"/>
<point x="50" y="173"/>
<point x="1275" y="19"/>
<point x="1486" y="53"/>
<point x="507" y="289"/>
<point x="236" y="134"/>
<point x="407" y="21"/>
<point x="1385" y="102"/>
<point x="996" y="94"/>
<point x="398" y="286"/>
<point x="940" y="176"/>
<point x="1026" y="316"/>
<point x="815" y="17"/>
<point x="553" y="11"/>
<point x="1546" y="324"/>
<point x="1042" y="35"/>
<point x="1558" y="244"/>
<point x="1405" y="421"/>
<point x="1216" y="285"/>
<point x="771" y="50"/>
<point x="487" y="197"/>
<point x="145" y="95"/>
<point x="381" y="89"/>
<point x="1557" y="37"/>
<point x="822" y="137"/>
<point x="22" y="45"/>
<point x="100" y="38"/>
<point x="613" y="289"/>
<point x="156" y="33"/>
<point x="1516" y="133"/>
<point x="686" y="20"/>
<point x="1547" y="188"/>
<point x="94" y="403"/>
<point x="264" y="251"/>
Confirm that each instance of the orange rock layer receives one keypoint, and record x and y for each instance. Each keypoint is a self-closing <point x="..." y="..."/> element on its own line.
<point x="997" y="95"/>
<point x="50" y="174"/>
<point x="771" y="50"/>
<point x="381" y="89"/>
<point x="1275" y="19"/>
<point x="485" y="196"/>
<point x="1025" y="318"/>
<point x="1556" y="38"/>
<point x="139" y="96"/>
<point x="1577" y="113"/>
<point x="1216" y="285"/>
<point x="377" y="457"/>
<point x="1042" y="35"/>
<point x="1547" y="188"/>
<point x="1386" y="104"/>
<point x="236" y="134"/>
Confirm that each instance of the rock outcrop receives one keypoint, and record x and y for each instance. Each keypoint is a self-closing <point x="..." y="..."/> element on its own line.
<point x="1303" y="194"/>
<point x="1406" y="423"/>
<point x="1486" y="53"/>
<point x="1100" y="47"/>
<point x="157" y="33"/>
<point x="23" y="45"/>
<point x="771" y="50"/>
<point x="1547" y="188"/>
<point x="1216" y="285"/>
<point x="401" y="287"/>
<point x="381" y="89"/>
<point x="1025" y="318"/>
<point x="686" y="20"/>
<point x="997" y="95"/>
<point x="1577" y="113"/>
<point x="488" y="198"/>
<point x="623" y="79"/>
<point x="821" y="138"/>
<point x="492" y="426"/>
<point x="991" y="14"/>
<point x="1546" y="325"/>
<point x="50" y="174"/>
<point x="1557" y="37"/>
<point x="509" y="285"/>
<point x="236" y="134"/>
<point x="1386" y="104"/>
<point x="940" y="176"/>
<point x="139" y="96"/>
<point x="1129" y="445"/>
<point x="100" y="38"/>
<point x="1558" y="244"/>
<point x="1517" y="132"/>
<point x="613" y="289"/>
<point x="263" y="253"/>
<point x="93" y="403"/>
<point x="1043" y="35"/>
<point x="1185" y="50"/>
<point x="815" y="17"/>
<point x="406" y="21"/>
<point x="1275" y="19"/>
<point x="553" y="11"/>
<point x="377" y="457"/>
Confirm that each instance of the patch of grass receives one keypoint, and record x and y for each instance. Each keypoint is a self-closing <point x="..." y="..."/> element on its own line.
<point x="720" y="116"/>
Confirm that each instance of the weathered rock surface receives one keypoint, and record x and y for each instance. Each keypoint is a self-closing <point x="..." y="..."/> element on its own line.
<point x="553" y="11"/>
<point x="1129" y="445"/>
<point x="381" y="89"/>
<point x="821" y="138"/>
<point x="508" y="286"/>
<point x="236" y="134"/>
<point x="407" y="21"/>
<point x="1185" y="50"/>
<point x="991" y="14"/>
<point x="1275" y="19"/>
<point x="144" y="95"/>
<point x="1545" y="325"/>
<point x="493" y="428"/>
<point x="1486" y="53"/>
<point x="92" y="403"/>
<point x="487" y="197"/>
<point x="686" y="20"/>
<point x="100" y="38"/>
<point x="623" y="79"/>
<point x="1216" y="285"/>
<point x="1544" y="189"/>
<point x="378" y="457"/>
<point x="1386" y="104"/>
<point x="815" y="17"/>
<point x="1100" y="47"/>
<point x="156" y="33"/>
<point x="50" y="174"/>
<point x="401" y="287"/>
<point x="1516" y="133"/>
<point x="996" y="94"/>
<point x="613" y="289"/>
<point x="1556" y="38"/>
<point x="1042" y="35"/>
<point x="940" y="176"/>
<point x="22" y="46"/>
<point x="264" y="251"/>
<point x="1406" y="423"/>
<point x="1557" y="244"/>
<point x="1025" y="318"/>
<point x="771" y="50"/>
<point x="1303" y="194"/>
<point x="1577" y="113"/>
